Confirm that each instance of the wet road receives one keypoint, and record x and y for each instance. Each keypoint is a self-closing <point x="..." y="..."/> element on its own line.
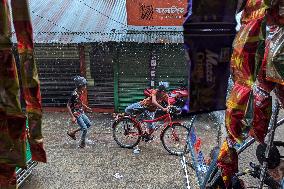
<point x="103" y="164"/>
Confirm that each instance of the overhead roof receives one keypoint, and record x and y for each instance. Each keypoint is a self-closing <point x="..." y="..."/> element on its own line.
<point x="79" y="21"/>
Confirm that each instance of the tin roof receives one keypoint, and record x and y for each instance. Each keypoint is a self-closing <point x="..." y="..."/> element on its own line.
<point x="79" y="21"/>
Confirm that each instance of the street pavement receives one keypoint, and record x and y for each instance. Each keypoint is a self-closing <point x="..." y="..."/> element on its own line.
<point x="104" y="165"/>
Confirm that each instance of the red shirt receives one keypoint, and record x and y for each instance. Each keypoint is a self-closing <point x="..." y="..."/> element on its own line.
<point x="160" y="97"/>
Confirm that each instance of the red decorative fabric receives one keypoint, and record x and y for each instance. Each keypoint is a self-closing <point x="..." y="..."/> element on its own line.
<point x="262" y="112"/>
<point x="228" y="162"/>
<point x="12" y="120"/>
<point x="7" y="177"/>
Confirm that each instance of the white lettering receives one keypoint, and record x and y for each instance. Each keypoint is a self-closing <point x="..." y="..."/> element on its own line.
<point x="211" y="60"/>
<point x="153" y="73"/>
<point x="153" y="62"/>
<point x="181" y="10"/>
<point x="209" y="73"/>
<point x="174" y="9"/>
<point x="199" y="71"/>
<point x="170" y="10"/>
<point x="211" y="57"/>
<point x="159" y="10"/>
<point x="166" y="10"/>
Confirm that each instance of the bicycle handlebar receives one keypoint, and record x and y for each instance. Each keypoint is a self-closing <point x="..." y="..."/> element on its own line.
<point x="172" y="110"/>
<point x="247" y="171"/>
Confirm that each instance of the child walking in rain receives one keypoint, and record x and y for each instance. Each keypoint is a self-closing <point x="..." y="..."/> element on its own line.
<point x="76" y="109"/>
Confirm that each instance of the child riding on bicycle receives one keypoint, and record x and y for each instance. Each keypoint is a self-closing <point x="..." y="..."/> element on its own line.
<point x="150" y="104"/>
<point x="75" y="107"/>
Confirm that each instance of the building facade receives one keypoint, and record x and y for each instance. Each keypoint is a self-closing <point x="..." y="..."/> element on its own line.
<point x="119" y="62"/>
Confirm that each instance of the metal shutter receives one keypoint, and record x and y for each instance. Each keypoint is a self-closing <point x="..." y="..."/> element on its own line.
<point x="100" y="94"/>
<point x="133" y="72"/>
<point x="171" y="64"/>
<point x="57" y="64"/>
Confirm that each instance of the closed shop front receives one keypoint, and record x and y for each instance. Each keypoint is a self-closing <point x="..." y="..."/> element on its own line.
<point x="117" y="73"/>
<point x="132" y="72"/>
<point x="57" y="65"/>
<point x="171" y="64"/>
<point x="101" y="91"/>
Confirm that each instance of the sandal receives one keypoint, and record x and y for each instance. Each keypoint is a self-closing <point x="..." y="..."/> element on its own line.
<point x="82" y="145"/>
<point x="71" y="135"/>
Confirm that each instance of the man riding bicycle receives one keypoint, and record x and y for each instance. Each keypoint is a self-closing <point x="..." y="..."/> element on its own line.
<point x="150" y="104"/>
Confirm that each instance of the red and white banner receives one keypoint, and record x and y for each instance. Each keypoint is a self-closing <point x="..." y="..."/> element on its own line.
<point x="156" y="12"/>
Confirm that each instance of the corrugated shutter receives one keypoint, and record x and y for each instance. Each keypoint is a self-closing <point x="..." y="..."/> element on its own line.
<point x="57" y="64"/>
<point x="171" y="64"/>
<point x="133" y="72"/>
<point x="100" y="95"/>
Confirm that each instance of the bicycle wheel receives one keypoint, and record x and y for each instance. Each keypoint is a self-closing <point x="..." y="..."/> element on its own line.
<point x="174" y="139"/>
<point x="126" y="132"/>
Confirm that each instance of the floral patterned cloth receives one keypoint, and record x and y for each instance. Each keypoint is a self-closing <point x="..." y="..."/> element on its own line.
<point x="12" y="120"/>
<point x="256" y="73"/>
<point x="75" y="103"/>
<point x="245" y="62"/>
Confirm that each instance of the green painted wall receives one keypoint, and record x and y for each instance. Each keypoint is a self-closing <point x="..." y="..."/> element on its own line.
<point x="133" y="72"/>
<point x="133" y="75"/>
<point x="171" y="64"/>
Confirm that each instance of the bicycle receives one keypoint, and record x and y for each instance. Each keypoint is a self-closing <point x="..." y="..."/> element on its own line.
<point x="209" y="176"/>
<point x="173" y="134"/>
